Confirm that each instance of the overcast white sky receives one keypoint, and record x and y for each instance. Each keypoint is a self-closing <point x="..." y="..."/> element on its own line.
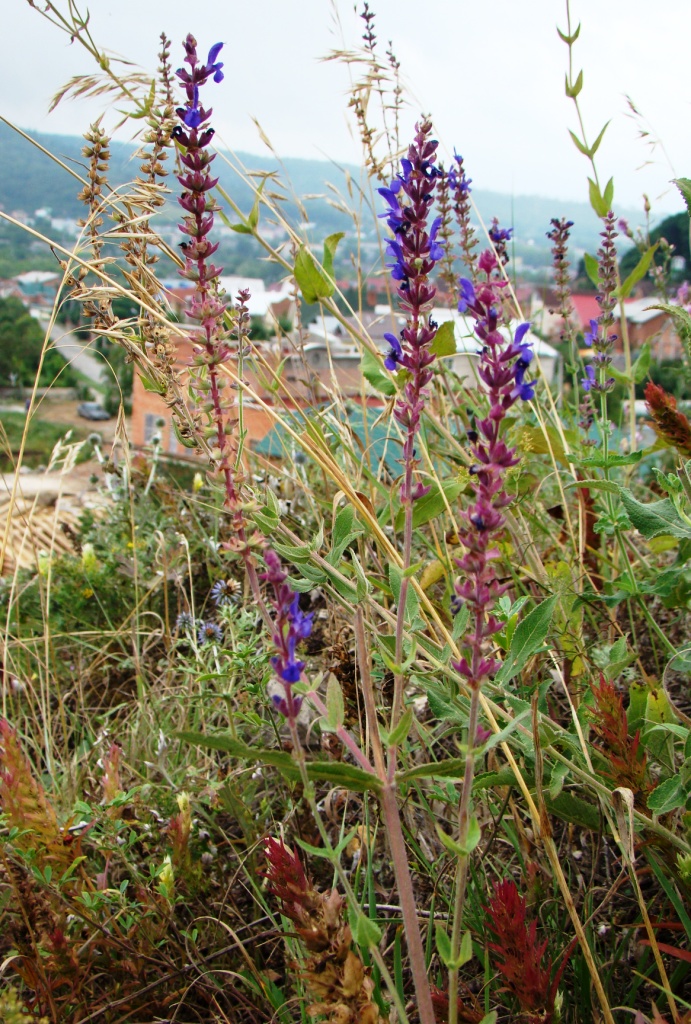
<point x="491" y="73"/>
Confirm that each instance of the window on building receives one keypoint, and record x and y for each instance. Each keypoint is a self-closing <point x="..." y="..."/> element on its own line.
<point x="150" y="426"/>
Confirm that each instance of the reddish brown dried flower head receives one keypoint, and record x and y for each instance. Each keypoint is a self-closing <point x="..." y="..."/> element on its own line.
<point x="335" y="977"/>
<point x="670" y="424"/>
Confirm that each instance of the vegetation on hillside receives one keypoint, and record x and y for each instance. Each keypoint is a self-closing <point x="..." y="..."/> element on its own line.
<point x="393" y="731"/>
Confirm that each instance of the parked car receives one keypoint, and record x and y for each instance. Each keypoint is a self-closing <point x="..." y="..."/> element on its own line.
<point x="92" y="411"/>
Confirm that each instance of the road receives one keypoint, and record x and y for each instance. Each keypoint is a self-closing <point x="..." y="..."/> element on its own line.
<point x="79" y="355"/>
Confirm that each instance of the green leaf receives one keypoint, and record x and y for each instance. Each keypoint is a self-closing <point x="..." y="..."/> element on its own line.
<point x="338" y="773"/>
<point x="597" y="200"/>
<point x="395" y="580"/>
<point x="150" y="385"/>
<point x="444" y="343"/>
<point x="654" y="518"/>
<point x="529" y="637"/>
<point x="581" y="146"/>
<point x="594" y="485"/>
<point x="557" y="779"/>
<point x="465" y="952"/>
<point x="460" y="622"/>
<point x="335" y="705"/>
<point x="640" y="368"/>
<point x="400" y="733"/>
<point x="684" y="186"/>
<point x="667" y="796"/>
<point x="185" y="441"/>
<point x="461" y="849"/>
<point x="312" y="281"/>
<point x="572" y="90"/>
<point x="571" y="808"/>
<point x="503" y="777"/>
<point x="569" y="40"/>
<point x="593" y="150"/>
<point x="591" y="268"/>
<point x="600" y="462"/>
<point x="362" y="585"/>
<point x="452" y="768"/>
<point x="682" y="323"/>
<point x="474" y="834"/>
<point x="638" y="272"/>
<point x="443" y="944"/>
<point x="432" y="504"/>
<point x="503" y="734"/>
<point x="330" y="246"/>
<point x="374" y="375"/>
<point x="366" y="932"/>
<point x="609" y="188"/>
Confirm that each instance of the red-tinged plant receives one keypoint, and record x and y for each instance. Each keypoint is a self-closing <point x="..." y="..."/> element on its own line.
<point x="623" y="753"/>
<point x="24" y="803"/>
<point x="334" y="974"/>
<point x="670" y="424"/>
<point x="466" y="1014"/>
<point x="519" y="957"/>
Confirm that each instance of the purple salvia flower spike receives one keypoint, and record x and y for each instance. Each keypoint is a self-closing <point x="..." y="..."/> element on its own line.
<point x="291" y="625"/>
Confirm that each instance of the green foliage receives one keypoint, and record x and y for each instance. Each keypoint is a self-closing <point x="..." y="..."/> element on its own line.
<point x="21" y="347"/>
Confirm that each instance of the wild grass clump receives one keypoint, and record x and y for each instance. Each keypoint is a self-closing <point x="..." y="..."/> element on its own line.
<point x="393" y="727"/>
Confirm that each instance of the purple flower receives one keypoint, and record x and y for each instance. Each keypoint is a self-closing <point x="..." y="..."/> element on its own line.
<point x="209" y="632"/>
<point x="415" y="251"/>
<point x="482" y="735"/>
<point x="590" y="337"/>
<point x="395" y="352"/>
<point x="499" y="235"/>
<point x="291" y="625"/>
<point x="436" y="249"/>
<point x="467" y="292"/>
<point x="212" y="64"/>
<point x="521" y="332"/>
<point x="589" y="379"/>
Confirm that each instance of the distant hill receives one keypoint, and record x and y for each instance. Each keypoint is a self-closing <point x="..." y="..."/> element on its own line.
<point x="30" y="180"/>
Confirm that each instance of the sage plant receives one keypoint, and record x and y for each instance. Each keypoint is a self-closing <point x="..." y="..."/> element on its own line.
<point x="415" y="251"/>
<point x="503" y="369"/>
<point x="290" y="626"/>
<point x="599" y="336"/>
<point x="208" y="307"/>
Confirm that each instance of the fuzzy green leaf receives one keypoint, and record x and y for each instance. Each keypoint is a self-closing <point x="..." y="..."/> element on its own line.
<point x="312" y="281"/>
<point x="338" y="773"/>
<point x="684" y="186"/>
<point x="528" y="639"/>
<point x="444" y="343"/>
<point x="667" y="796"/>
<point x="433" y="504"/>
<point x="655" y="517"/>
<point x="373" y="373"/>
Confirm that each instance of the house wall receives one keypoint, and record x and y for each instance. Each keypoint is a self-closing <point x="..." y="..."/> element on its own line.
<point x="296" y="376"/>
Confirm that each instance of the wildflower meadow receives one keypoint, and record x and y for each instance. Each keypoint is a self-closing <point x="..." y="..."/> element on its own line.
<point x="359" y="692"/>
